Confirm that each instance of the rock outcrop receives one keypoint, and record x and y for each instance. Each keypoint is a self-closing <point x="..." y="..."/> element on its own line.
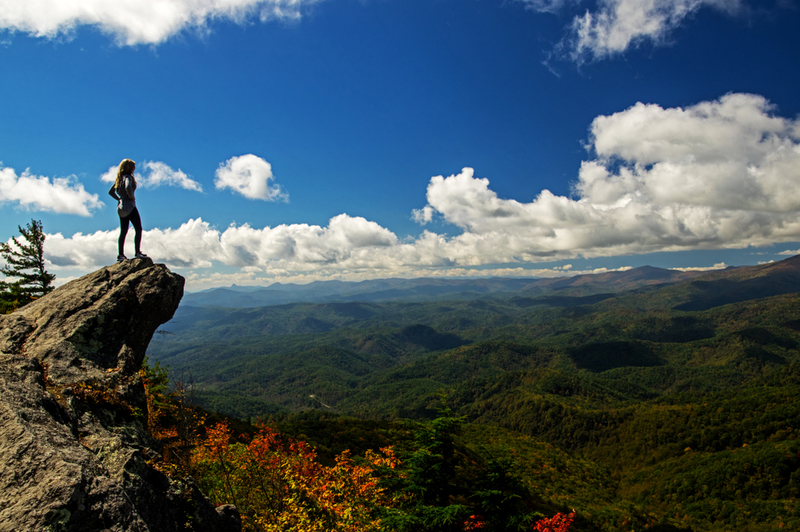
<point x="74" y="454"/>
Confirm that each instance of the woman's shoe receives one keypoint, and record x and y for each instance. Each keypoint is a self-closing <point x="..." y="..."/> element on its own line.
<point x="121" y="258"/>
<point x="140" y="255"/>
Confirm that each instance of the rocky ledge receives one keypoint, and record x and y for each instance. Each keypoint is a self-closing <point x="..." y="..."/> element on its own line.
<point x="74" y="454"/>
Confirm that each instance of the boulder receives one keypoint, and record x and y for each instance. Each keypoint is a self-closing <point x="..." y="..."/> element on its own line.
<point x="74" y="453"/>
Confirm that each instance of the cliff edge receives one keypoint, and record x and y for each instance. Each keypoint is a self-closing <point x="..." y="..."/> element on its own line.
<point x="73" y="449"/>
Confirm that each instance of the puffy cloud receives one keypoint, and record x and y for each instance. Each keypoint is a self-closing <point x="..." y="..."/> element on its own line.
<point x="468" y="202"/>
<point x="161" y="174"/>
<point x="110" y="175"/>
<point x="249" y="175"/>
<point x="423" y="215"/>
<point x="132" y="22"/>
<point x="728" y="154"/>
<point x="80" y="252"/>
<point x="152" y="174"/>
<point x="39" y="193"/>
<point x="619" y="24"/>
<point x="718" y="174"/>
<point x="346" y="242"/>
<point x="349" y="248"/>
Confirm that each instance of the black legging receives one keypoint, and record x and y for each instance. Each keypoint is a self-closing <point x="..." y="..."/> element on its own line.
<point x="133" y="218"/>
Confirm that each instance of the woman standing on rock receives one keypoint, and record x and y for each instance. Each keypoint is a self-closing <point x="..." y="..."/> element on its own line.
<point x="123" y="190"/>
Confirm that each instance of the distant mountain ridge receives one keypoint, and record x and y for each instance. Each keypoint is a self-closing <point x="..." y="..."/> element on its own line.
<point x="743" y="284"/>
<point x="431" y="289"/>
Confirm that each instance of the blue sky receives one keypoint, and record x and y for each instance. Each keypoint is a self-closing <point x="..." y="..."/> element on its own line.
<point x="297" y="140"/>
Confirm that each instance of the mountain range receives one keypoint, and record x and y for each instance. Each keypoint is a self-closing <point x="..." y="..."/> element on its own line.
<point x="429" y="289"/>
<point x="645" y="399"/>
<point x="641" y="318"/>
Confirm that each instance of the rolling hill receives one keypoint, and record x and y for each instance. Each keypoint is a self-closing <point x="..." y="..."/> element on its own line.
<point x="681" y="387"/>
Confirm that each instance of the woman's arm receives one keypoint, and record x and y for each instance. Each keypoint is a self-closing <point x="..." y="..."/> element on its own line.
<point x="129" y="187"/>
<point x="113" y="193"/>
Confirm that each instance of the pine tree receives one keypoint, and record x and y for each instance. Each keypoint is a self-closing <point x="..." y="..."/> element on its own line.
<point x="25" y="262"/>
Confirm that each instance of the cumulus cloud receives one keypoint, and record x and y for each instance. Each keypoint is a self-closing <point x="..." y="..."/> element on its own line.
<point x="132" y="22"/>
<point x="250" y="176"/>
<point x="346" y="241"/>
<point x="80" y="252"/>
<point x="719" y="174"/>
<point x="39" y="193"/>
<point x="348" y="248"/>
<point x="620" y="24"/>
<point x="161" y="174"/>
<point x="730" y="155"/>
<point x="152" y="174"/>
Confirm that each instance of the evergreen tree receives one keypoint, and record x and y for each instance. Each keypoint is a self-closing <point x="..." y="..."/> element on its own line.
<point x="25" y="262"/>
<point x="12" y="297"/>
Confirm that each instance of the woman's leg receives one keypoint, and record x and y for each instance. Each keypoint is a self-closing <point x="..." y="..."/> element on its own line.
<point x="123" y="231"/>
<point x="136" y="220"/>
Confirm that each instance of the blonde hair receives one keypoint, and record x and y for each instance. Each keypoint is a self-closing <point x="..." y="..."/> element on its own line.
<point x="126" y="167"/>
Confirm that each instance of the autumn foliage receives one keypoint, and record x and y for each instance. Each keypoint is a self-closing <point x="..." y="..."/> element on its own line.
<point x="558" y="523"/>
<point x="172" y="420"/>
<point x="279" y="484"/>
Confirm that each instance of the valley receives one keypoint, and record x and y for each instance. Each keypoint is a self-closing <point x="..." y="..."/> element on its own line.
<point x="642" y="398"/>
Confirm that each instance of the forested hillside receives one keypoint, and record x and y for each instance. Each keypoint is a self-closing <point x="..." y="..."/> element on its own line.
<point x="671" y="403"/>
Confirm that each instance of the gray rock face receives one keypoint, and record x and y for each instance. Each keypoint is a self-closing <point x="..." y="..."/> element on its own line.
<point x="73" y="449"/>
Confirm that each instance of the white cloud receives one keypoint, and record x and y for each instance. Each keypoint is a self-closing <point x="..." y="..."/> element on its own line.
<point x="346" y="242"/>
<point x="620" y="24"/>
<point x="152" y="174"/>
<point x="424" y="215"/>
<point x="80" y="252"/>
<point x="249" y="175"/>
<point x="110" y="175"/>
<point x="717" y="266"/>
<point x="547" y="6"/>
<point x="39" y="193"/>
<point x="349" y="248"/>
<point x="719" y="174"/>
<point x="732" y="154"/>
<point x="196" y="281"/>
<point x="161" y="174"/>
<point x="132" y="22"/>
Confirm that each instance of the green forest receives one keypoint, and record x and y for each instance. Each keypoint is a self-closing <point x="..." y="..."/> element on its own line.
<point x="666" y="407"/>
